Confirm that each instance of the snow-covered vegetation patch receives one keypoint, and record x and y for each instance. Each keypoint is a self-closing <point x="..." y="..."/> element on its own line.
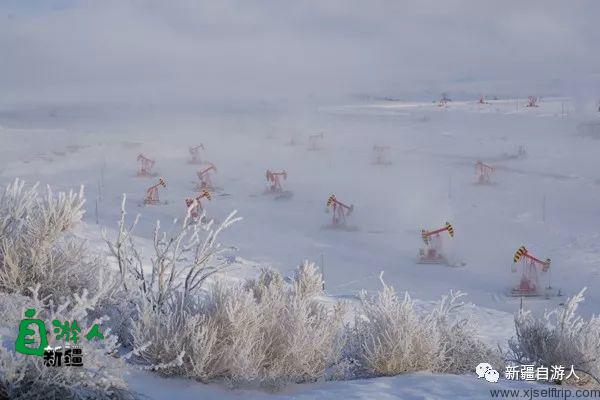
<point x="43" y="267"/>
<point x="266" y="332"/>
<point x="37" y="246"/>
<point x="393" y="338"/>
<point x="175" y="313"/>
<point x="559" y="337"/>
<point x="27" y="377"/>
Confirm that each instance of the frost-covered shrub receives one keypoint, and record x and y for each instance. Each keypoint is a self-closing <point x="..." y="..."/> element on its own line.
<point x="267" y="331"/>
<point x="267" y="277"/>
<point x="26" y="377"/>
<point x="36" y="245"/>
<point x="120" y="310"/>
<point x="183" y="258"/>
<point x="460" y="338"/>
<point x="38" y="250"/>
<point x="559" y="337"/>
<point x="308" y="280"/>
<point x="391" y="337"/>
<point x="264" y="332"/>
<point x="167" y="282"/>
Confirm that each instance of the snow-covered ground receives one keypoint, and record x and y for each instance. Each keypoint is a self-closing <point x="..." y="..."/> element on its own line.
<point x="546" y="201"/>
<point x="417" y="386"/>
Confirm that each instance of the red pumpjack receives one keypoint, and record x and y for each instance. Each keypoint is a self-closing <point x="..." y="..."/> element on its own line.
<point x="532" y="101"/>
<point x="529" y="282"/>
<point x="432" y="253"/>
<point x="204" y="176"/>
<point x="195" y="153"/>
<point x="194" y="204"/>
<point x="340" y="210"/>
<point x="146" y="165"/>
<point x="483" y="173"/>
<point x="274" y="181"/>
<point x="152" y="192"/>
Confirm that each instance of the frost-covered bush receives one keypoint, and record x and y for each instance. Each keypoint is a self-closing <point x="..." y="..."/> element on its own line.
<point x="559" y="337"/>
<point x="268" y="277"/>
<point x="308" y="280"/>
<point x="166" y="282"/>
<point x="38" y="250"/>
<point x="182" y="259"/>
<point x="26" y="377"/>
<point x="391" y="337"/>
<point x="264" y="332"/>
<point x="36" y="245"/>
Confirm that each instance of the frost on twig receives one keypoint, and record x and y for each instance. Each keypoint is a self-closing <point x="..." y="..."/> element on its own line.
<point x="180" y="261"/>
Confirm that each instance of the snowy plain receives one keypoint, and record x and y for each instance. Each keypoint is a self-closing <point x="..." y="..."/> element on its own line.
<point x="546" y="201"/>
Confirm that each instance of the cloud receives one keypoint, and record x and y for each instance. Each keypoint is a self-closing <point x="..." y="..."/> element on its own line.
<point x="187" y="51"/>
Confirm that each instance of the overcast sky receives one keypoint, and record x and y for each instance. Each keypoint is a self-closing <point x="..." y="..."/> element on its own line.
<point x="180" y="51"/>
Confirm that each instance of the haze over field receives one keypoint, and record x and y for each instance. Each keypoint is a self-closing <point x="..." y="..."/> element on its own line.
<point x="179" y="54"/>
